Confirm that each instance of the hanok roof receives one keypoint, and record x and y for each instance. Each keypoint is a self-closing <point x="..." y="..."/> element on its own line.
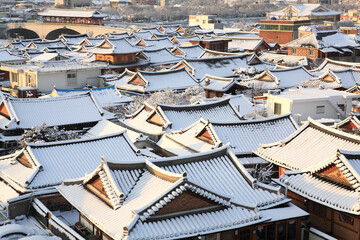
<point x="246" y="136"/>
<point x="161" y="56"/>
<point x="73" y="13"/>
<point x="131" y="215"/>
<point x="143" y="35"/>
<point x="244" y="44"/>
<point x="329" y="64"/>
<point x="105" y="127"/>
<point x="350" y="124"/>
<point x="240" y="102"/>
<point x="155" y="120"/>
<point x="6" y="56"/>
<point x="41" y="165"/>
<point x="284" y="59"/>
<point x="300" y="10"/>
<point x="146" y="82"/>
<point x="114" y="46"/>
<point x="48" y="56"/>
<point x="312" y="144"/>
<point x="279" y="78"/>
<point x="41" y="45"/>
<point x="155" y="43"/>
<point x="207" y="53"/>
<point x="324" y="40"/>
<point x="70" y="110"/>
<point x="334" y="184"/>
<point x="217" y="66"/>
<point x="218" y="84"/>
<point x="345" y="78"/>
<point x="193" y="51"/>
<point x="105" y="96"/>
<point x="73" y="39"/>
<point x="196" y="138"/>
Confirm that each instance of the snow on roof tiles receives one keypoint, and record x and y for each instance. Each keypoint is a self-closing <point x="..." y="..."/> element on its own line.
<point x="161" y="56"/>
<point x="218" y="170"/>
<point x="246" y="136"/>
<point x="66" y="160"/>
<point x="72" y="13"/>
<point x="70" y="110"/>
<point x="310" y="145"/>
<point x="184" y="115"/>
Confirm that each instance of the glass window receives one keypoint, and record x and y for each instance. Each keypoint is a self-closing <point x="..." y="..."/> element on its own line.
<point x="270" y="232"/>
<point x="277" y="108"/>
<point x="244" y="234"/>
<point x="346" y="218"/>
<point x="320" y="109"/>
<point x="293" y="51"/>
<point x="311" y="52"/>
<point x="71" y="79"/>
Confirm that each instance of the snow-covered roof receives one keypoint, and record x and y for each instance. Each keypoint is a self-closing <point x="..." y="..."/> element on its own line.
<point x="349" y="124"/>
<point x="41" y="165"/>
<point x="114" y="46"/>
<point x="196" y="138"/>
<point x="325" y="41"/>
<point x="193" y="51"/>
<point x="156" y="43"/>
<point x="241" y="103"/>
<point x="48" y="56"/>
<point x="162" y="182"/>
<point x="284" y="59"/>
<point x="83" y="13"/>
<point x="218" y="66"/>
<point x="345" y="78"/>
<point x="105" y="127"/>
<point x="146" y="82"/>
<point x="105" y="96"/>
<point x="55" y="66"/>
<point x="246" y="136"/>
<point x="6" y="56"/>
<point x="330" y="64"/>
<point x="312" y="144"/>
<point x="340" y="191"/>
<point x="161" y="56"/>
<point x="218" y="84"/>
<point x="304" y="10"/>
<point x="70" y="110"/>
<point x="279" y="78"/>
<point x="73" y="39"/>
<point x="314" y="94"/>
<point x="157" y="119"/>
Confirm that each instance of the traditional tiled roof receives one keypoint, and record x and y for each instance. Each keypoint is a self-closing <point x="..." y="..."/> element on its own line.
<point x="156" y="43"/>
<point x="312" y="144"/>
<point x="350" y="124"/>
<point x="193" y="51"/>
<point x="334" y="183"/>
<point x="161" y="183"/>
<point x="114" y="46"/>
<point x="327" y="41"/>
<point x="246" y="136"/>
<point x="345" y="78"/>
<point x="330" y="64"/>
<point x="241" y="103"/>
<point x="105" y="96"/>
<point x="72" y="13"/>
<point x="218" y="84"/>
<point x="44" y="165"/>
<point x="70" y="110"/>
<point x="301" y="10"/>
<point x="198" y="137"/>
<point x="218" y="66"/>
<point x="284" y="59"/>
<point x="7" y="56"/>
<point x="160" y="56"/>
<point x="147" y="82"/>
<point x="279" y="78"/>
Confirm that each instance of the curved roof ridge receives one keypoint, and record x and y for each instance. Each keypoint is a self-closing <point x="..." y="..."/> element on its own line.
<point x="274" y="118"/>
<point x="74" y="141"/>
<point x="194" y="106"/>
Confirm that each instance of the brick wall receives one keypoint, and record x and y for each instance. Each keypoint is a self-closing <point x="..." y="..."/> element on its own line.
<point x="276" y="36"/>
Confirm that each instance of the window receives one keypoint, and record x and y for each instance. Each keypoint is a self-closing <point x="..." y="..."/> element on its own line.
<point x="71" y="79"/>
<point x="293" y="51"/>
<point x="277" y="108"/>
<point x="346" y="218"/>
<point x="292" y="230"/>
<point x="14" y="77"/>
<point x="311" y="52"/>
<point x="269" y="27"/>
<point x="320" y="109"/>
